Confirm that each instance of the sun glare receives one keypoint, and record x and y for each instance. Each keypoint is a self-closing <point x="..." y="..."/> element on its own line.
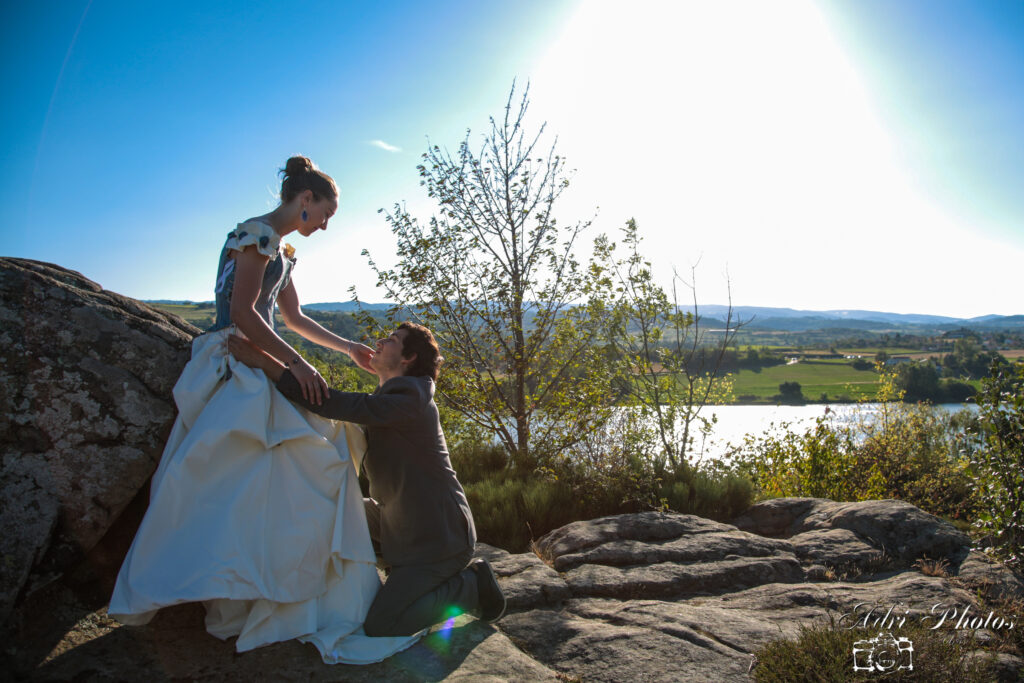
<point x="735" y="132"/>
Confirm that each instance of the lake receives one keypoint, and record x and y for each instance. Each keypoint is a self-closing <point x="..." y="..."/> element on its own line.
<point x="736" y="421"/>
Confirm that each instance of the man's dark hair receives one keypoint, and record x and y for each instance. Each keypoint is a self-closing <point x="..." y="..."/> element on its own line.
<point x="420" y="340"/>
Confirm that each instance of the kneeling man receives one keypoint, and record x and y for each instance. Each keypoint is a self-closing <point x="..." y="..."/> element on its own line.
<point x="417" y="512"/>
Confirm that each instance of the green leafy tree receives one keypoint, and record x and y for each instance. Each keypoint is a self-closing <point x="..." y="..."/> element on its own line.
<point x="494" y="275"/>
<point x="919" y="381"/>
<point x="791" y="392"/>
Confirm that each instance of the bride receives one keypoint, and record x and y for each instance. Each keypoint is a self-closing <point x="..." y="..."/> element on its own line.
<point x="255" y="508"/>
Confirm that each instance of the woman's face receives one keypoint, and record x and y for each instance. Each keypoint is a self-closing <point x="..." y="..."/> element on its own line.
<point x="318" y="212"/>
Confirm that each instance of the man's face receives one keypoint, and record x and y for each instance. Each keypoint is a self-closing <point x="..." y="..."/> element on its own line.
<point x="388" y="358"/>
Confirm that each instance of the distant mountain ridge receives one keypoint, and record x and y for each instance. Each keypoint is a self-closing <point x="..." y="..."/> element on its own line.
<point x="765" y="312"/>
<point x="345" y="306"/>
<point x="763" y="317"/>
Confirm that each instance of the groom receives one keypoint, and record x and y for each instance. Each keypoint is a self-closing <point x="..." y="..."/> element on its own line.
<point x="417" y="512"/>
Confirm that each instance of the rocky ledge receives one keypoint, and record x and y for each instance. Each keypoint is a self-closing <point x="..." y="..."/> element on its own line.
<point x="645" y="597"/>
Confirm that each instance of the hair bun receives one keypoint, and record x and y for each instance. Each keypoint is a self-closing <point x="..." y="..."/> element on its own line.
<point x="300" y="174"/>
<point x="297" y="166"/>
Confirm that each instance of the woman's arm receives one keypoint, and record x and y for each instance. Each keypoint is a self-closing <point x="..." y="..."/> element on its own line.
<point x="249" y="268"/>
<point x="298" y="322"/>
<point x="398" y="405"/>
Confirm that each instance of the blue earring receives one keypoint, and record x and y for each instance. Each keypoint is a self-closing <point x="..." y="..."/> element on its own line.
<point x="304" y="216"/>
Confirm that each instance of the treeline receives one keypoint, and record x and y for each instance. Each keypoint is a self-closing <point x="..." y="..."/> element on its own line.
<point x="942" y="378"/>
<point x="944" y="343"/>
<point x="945" y="378"/>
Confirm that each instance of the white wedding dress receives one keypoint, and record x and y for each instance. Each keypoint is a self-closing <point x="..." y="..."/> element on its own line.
<point x="256" y="512"/>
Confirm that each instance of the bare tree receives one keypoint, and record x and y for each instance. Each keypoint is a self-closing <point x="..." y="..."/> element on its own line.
<point x="670" y="371"/>
<point x="494" y="275"/>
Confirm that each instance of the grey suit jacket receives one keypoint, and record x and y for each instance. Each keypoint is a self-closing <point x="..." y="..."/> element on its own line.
<point x="424" y="514"/>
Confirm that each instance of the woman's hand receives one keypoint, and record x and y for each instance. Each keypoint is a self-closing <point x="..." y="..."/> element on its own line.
<point x="361" y="355"/>
<point x="314" y="388"/>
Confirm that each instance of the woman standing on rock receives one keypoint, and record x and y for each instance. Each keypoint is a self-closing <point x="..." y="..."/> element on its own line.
<point x="255" y="508"/>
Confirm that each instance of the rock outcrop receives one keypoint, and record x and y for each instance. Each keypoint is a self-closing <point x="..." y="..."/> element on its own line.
<point x="85" y="402"/>
<point x="645" y="597"/>
<point x="668" y="597"/>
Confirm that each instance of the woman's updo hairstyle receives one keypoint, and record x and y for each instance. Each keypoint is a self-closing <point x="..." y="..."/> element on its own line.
<point x="301" y="174"/>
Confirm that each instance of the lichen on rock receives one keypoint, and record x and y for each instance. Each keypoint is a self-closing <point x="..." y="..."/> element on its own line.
<point x="85" y="402"/>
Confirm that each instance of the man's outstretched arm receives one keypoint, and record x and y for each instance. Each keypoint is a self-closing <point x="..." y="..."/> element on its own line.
<point x="255" y="357"/>
<point x="367" y="409"/>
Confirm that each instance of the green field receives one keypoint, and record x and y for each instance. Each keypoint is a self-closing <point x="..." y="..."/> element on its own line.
<point x="200" y="315"/>
<point x="835" y="377"/>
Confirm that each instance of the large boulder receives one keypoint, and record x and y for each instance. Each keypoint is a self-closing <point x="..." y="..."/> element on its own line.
<point x="892" y="530"/>
<point x="662" y="555"/>
<point x="85" y="403"/>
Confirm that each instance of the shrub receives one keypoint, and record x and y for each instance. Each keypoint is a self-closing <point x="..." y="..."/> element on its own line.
<point x="825" y="653"/>
<point x="474" y="461"/>
<point x="956" y="391"/>
<point x="713" y="491"/>
<point x="862" y="364"/>
<point x="907" y="451"/>
<point x="614" y="471"/>
<point x="997" y="453"/>
<point x="510" y="512"/>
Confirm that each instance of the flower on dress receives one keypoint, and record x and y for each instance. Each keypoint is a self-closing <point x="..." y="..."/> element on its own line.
<point x="289" y="252"/>
<point x="264" y="241"/>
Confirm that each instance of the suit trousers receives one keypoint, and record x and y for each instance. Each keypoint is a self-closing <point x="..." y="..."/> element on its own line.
<point x="416" y="596"/>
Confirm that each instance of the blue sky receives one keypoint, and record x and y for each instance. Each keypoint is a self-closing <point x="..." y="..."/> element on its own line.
<point x="949" y="79"/>
<point x="824" y="154"/>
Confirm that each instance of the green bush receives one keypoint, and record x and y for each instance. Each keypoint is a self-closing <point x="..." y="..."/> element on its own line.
<point x="612" y="472"/>
<point x="997" y="453"/>
<point x="715" y="492"/>
<point x="909" y="452"/>
<point x="791" y="393"/>
<point x="474" y="461"/>
<point x="510" y="512"/>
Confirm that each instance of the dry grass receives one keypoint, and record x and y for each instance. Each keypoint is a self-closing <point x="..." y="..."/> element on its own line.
<point x="930" y="567"/>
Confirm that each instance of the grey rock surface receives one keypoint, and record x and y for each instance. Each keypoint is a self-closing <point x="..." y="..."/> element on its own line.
<point x="996" y="580"/>
<point x="175" y="647"/>
<point x="644" y="526"/>
<point x="835" y="547"/>
<point x="525" y="579"/>
<point x="669" y="597"/>
<point x="85" y="401"/>
<point x="899" y="530"/>
<point x="708" y="638"/>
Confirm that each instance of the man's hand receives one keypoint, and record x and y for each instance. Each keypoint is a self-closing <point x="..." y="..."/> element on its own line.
<point x="255" y="357"/>
<point x="361" y="354"/>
